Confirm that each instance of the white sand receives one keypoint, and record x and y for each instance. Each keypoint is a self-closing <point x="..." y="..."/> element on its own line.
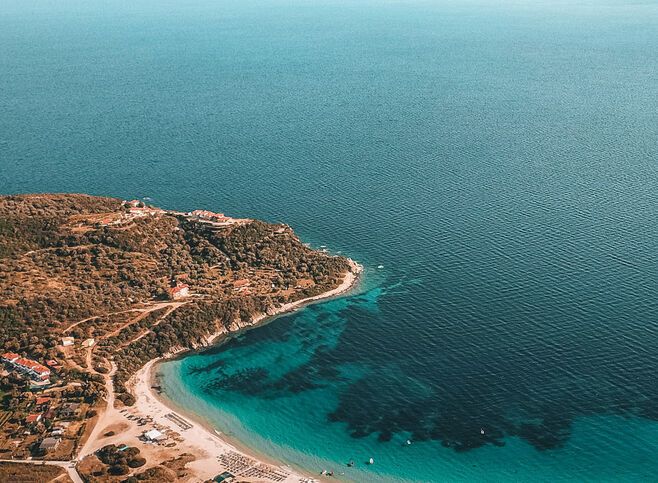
<point x="211" y="451"/>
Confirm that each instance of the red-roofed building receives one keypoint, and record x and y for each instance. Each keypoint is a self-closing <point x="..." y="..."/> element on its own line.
<point x="52" y="363"/>
<point x="41" y="401"/>
<point x="179" y="291"/>
<point x="10" y="356"/>
<point x="33" y="418"/>
<point x="31" y="367"/>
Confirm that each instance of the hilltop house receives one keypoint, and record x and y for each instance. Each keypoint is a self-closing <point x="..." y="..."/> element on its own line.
<point x="207" y="215"/>
<point x="179" y="291"/>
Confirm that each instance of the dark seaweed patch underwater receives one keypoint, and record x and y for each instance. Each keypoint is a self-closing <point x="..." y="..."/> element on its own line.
<point x="447" y="387"/>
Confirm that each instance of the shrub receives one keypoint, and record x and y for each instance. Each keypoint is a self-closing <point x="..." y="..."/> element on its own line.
<point x="137" y="462"/>
<point x="118" y="470"/>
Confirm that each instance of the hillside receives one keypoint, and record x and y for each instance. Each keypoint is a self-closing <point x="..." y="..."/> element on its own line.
<point x="126" y="283"/>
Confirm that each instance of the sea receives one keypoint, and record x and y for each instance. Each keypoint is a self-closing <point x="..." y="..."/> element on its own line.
<point x="492" y="164"/>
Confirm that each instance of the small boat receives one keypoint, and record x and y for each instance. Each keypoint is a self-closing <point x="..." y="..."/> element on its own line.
<point x="380" y="267"/>
<point x="481" y="430"/>
<point x="371" y="461"/>
<point x="351" y="463"/>
<point x="408" y="442"/>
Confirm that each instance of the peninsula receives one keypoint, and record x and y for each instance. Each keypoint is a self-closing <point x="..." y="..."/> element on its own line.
<point x="93" y="291"/>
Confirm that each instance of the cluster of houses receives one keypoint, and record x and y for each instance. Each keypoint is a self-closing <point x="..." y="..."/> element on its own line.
<point x="205" y="215"/>
<point x="213" y="219"/>
<point x="137" y="209"/>
<point x="44" y="411"/>
<point x="134" y="209"/>
<point x="33" y="369"/>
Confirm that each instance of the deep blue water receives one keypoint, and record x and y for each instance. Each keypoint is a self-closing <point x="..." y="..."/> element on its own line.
<point x="499" y="159"/>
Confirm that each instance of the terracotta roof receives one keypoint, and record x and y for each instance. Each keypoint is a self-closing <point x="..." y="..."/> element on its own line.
<point x="10" y="356"/>
<point x="178" y="288"/>
<point x="31" y="365"/>
<point x="33" y="418"/>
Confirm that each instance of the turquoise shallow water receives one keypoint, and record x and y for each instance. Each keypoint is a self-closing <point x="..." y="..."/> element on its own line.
<point x="498" y="159"/>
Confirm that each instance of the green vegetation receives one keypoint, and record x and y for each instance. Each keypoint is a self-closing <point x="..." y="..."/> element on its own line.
<point x="85" y="267"/>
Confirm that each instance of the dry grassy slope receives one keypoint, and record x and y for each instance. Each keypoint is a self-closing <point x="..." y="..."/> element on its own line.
<point x="59" y="265"/>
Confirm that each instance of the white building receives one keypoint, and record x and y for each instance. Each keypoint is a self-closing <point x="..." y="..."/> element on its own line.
<point x="154" y="435"/>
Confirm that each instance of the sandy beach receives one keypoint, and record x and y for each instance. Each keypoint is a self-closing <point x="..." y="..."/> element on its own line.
<point x="183" y="436"/>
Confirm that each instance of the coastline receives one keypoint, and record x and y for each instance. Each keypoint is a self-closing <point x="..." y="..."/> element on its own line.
<point x="209" y="447"/>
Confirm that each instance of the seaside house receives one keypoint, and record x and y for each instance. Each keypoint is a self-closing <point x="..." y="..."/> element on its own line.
<point x="208" y="215"/>
<point x="154" y="435"/>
